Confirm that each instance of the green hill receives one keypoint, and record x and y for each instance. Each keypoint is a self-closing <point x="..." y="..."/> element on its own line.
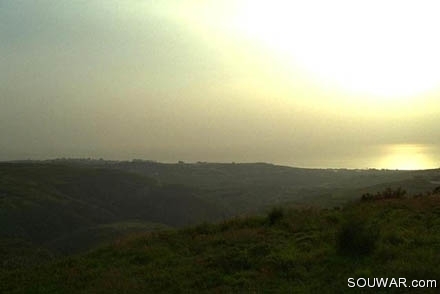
<point x="42" y="203"/>
<point x="323" y="236"/>
<point x="287" y="251"/>
<point x="250" y="188"/>
<point x="65" y="204"/>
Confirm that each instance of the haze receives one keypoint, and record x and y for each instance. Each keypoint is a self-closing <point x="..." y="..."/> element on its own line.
<point x="315" y="85"/>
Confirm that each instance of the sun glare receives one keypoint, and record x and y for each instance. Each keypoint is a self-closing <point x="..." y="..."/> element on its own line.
<point x="406" y="157"/>
<point x="387" y="49"/>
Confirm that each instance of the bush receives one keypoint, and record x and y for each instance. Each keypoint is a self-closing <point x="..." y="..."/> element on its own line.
<point x="356" y="238"/>
<point x="275" y="215"/>
<point x="388" y="193"/>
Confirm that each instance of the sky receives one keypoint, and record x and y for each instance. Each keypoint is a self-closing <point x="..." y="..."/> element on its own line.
<point x="327" y="84"/>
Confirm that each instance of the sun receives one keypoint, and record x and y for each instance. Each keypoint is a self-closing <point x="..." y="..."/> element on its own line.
<point x="386" y="49"/>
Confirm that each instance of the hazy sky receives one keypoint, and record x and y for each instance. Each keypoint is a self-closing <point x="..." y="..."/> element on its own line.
<point x="316" y="84"/>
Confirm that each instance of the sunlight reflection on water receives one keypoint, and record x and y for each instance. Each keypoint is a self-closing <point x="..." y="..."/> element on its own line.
<point x="408" y="157"/>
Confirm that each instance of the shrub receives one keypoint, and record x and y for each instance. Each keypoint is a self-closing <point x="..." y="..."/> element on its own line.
<point x="356" y="238"/>
<point x="388" y="193"/>
<point x="367" y="197"/>
<point x="275" y="215"/>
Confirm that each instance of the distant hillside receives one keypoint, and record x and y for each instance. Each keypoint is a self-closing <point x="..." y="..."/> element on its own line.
<point x="70" y="205"/>
<point x="255" y="187"/>
<point x="287" y="251"/>
<point x="43" y="202"/>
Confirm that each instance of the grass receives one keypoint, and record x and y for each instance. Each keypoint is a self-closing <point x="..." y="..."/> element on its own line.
<point x="286" y="251"/>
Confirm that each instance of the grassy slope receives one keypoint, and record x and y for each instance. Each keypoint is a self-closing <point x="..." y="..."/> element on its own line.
<point x="311" y="251"/>
<point x="42" y="202"/>
<point x="91" y="237"/>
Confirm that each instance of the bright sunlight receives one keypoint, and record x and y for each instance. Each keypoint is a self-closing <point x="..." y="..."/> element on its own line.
<point x="407" y="157"/>
<point x="386" y="49"/>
